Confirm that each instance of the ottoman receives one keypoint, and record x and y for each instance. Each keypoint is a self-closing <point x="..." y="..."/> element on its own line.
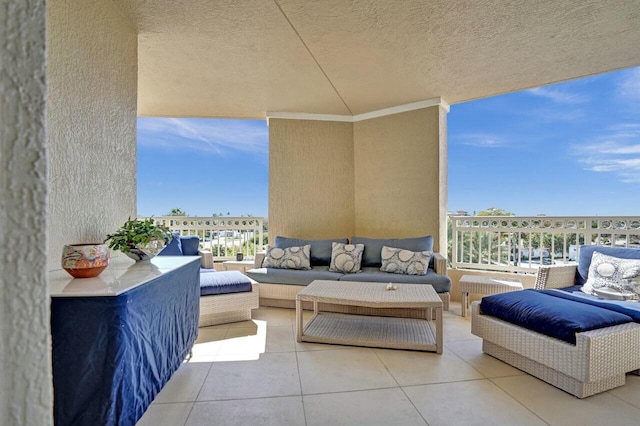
<point x="226" y="297"/>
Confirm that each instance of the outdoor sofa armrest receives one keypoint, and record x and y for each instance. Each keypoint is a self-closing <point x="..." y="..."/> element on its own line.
<point x="206" y="259"/>
<point x="258" y="259"/>
<point x="559" y="276"/>
<point x="439" y="264"/>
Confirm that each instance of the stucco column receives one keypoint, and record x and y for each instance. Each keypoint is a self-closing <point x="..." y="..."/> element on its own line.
<point x="26" y="396"/>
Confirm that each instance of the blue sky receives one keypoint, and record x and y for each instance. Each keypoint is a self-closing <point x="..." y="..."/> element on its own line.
<point x="571" y="148"/>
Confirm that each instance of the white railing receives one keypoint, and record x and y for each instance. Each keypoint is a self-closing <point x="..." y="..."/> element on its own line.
<point x="522" y="244"/>
<point x="223" y="236"/>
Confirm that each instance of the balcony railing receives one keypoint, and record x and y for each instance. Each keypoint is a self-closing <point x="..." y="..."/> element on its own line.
<point x="522" y="244"/>
<point x="223" y="236"/>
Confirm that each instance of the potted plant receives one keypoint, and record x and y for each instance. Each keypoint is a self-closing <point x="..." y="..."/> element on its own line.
<point x="139" y="239"/>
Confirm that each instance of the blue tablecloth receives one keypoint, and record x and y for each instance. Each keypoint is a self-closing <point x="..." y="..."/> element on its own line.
<point x="112" y="355"/>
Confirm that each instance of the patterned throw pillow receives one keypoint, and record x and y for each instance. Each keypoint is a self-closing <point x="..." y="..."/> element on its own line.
<point x="288" y="258"/>
<point x="346" y="257"/>
<point x="621" y="275"/>
<point x="400" y="261"/>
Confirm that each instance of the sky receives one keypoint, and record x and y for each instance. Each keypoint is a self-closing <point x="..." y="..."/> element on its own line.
<point x="567" y="149"/>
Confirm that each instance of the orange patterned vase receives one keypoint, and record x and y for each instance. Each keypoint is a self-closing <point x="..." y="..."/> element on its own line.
<point x="85" y="260"/>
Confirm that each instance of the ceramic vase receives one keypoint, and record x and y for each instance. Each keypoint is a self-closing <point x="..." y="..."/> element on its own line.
<point x="85" y="260"/>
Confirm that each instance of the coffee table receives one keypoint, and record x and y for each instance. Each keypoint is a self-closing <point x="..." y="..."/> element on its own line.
<point x="373" y="331"/>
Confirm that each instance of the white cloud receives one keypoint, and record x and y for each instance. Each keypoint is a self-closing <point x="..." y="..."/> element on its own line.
<point x="482" y="140"/>
<point x="629" y="85"/>
<point x="610" y="156"/>
<point x="558" y="95"/>
<point x="208" y="135"/>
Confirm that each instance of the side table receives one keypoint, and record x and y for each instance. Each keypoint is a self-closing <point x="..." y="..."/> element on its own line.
<point x="479" y="284"/>
<point x="237" y="265"/>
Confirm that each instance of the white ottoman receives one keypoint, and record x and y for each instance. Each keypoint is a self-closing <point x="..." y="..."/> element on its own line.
<point x="478" y="284"/>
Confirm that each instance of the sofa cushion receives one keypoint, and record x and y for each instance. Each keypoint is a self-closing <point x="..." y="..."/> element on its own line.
<point x="293" y="276"/>
<point x="548" y="315"/>
<point x="400" y="261"/>
<point x="573" y="293"/>
<point x="586" y="252"/>
<point x="611" y="272"/>
<point x="288" y="258"/>
<point x="346" y="258"/>
<point x="320" y="249"/>
<point x="174" y="248"/>
<point x="190" y="245"/>
<point x="224" y="283"/>
<point x="440" y="283"/>
<point x="373" y="247"/>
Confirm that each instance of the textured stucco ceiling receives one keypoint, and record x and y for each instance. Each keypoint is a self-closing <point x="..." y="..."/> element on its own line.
<point x="244" y="58"/>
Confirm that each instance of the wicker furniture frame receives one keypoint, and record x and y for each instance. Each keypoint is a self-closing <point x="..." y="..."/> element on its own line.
<point x="224" y="308"/>
<point x="598" y="362"/>
<point x="417" y="333"/>
<point x="480" y="284"/>
<point x="284" y="295"/>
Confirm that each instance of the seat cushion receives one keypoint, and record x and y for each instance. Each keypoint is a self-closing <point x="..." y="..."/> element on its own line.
<point x="552" y="316"/>
<point x="372" y="255"/>
<point x="586" y="252"/>
<point x="293" y="276"/>
<point x="573" y="293"/>
<point x="223" y="283"/>
<point x="320" y="249"/>
<point x="440" y="283"/>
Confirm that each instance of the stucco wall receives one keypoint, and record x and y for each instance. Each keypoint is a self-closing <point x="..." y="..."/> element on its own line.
<point x="25" y="361"/>
<point x="398" y="173"/>
<point x="91" y="121"/>
<point x="311" y="179"/>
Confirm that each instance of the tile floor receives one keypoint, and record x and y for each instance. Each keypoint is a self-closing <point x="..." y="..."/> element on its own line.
<point x="255" y="373"/>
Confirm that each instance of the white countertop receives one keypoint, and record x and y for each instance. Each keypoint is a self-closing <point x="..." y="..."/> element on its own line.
<point x="121" y="275"/>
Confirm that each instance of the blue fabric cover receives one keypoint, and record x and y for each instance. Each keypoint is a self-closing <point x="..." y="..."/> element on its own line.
<point x="293" y="276"/>
<point x="373" y="247"/>
<point x="224" y="283"/>
<point x="440" y="283"/>
<point x="174" y="248"/>
<point x="551" y="316"/>
<point x="320" y="249"/>
<point x="190" y="245"/>
<point x="112" y="355"/>
<point x="628" y="308"/>
<point x="587" y="251"/>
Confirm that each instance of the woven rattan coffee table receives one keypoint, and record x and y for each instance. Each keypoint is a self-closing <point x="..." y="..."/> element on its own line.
<point x="374" y="331"/>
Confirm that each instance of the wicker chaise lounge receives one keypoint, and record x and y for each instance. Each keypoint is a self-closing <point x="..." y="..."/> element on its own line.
<point x="597" y="362"/>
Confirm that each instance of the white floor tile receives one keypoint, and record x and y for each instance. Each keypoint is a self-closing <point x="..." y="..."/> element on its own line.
<point x="416" y="368"/>
<point x="471" y="352"/>
<point x="272" y="374"/>
<point x="185" y="384"/>
<point x="630" y="392"/>
<point x="342" y="370"/>
<point x="166" y="415"/>
<point x="366" y="408"/>
<point x="557" y="407"/>
<point x="268" y="411"/>
<point x="477" y="402"/>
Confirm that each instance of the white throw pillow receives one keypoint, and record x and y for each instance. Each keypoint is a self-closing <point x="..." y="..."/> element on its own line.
<point x="610" y="272"/>
<point x="346" y="258"/>
<point x="288" y="258"/>
<point x="400" y="261"/>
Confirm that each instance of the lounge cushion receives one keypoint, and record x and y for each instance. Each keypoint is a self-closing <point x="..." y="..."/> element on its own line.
<point x="190" y="245"/>
<point x="440" y="283"/>
<point x="174" y="248"/>
<point x="373" y="247"/>
<point x="548" y="315"/>
<point x="223" y="283"/>
<point x="586" y="252"/>
<point x="293" y="276"/>
<point x="320" y="249"/>
<point x="573" y="293"/>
